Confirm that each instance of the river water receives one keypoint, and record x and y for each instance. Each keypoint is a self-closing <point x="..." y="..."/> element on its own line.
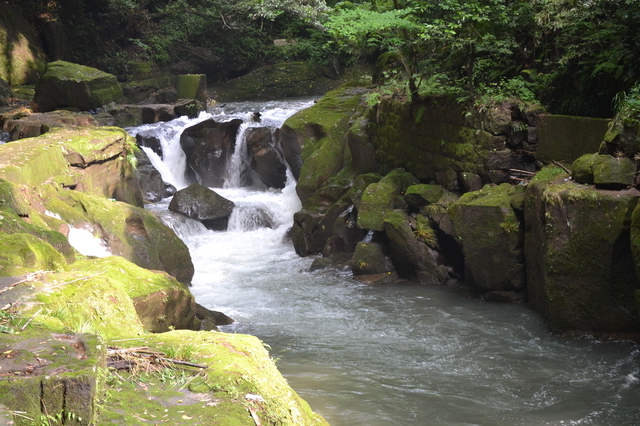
<point x="390" y="354"/>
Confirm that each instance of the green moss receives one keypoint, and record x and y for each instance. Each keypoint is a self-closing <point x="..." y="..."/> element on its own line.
<point x="23" y="253"/>
<point x="191" y="86"/>
<point x="238" y="365"/>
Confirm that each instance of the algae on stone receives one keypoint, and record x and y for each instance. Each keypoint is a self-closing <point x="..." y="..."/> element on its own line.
<point x="580" y="268"/>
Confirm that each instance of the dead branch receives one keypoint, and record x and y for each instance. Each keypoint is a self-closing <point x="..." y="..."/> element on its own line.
<point x="562" y="167"/>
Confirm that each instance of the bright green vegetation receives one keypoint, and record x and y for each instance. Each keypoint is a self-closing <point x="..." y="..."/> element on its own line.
<point x="575" y="57"/>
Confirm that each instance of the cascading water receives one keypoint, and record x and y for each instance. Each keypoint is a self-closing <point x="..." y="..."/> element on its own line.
<point x="393" y="355"/>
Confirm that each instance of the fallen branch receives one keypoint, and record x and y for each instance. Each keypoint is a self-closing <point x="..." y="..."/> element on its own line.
<point x="562" y="167"/>
<point x="254" y="415"/>
<point x="522" y="171"/>
<point x="31" y="319"/>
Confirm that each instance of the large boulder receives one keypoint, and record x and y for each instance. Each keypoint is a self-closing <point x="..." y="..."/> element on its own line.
<point x="580" y="268"/>
<point x="320" y="132"/>
<point x="203" y="204"/>
<point x="136" y="115"/>
<point x="65" y="84"/>
<point x="127" y="231"/>
<point x="208" y="147"/>
<point x="487" y="227"/>
<point x="267" y="159"/>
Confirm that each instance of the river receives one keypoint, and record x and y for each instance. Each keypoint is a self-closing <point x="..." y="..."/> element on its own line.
<point x="390" y="354"/>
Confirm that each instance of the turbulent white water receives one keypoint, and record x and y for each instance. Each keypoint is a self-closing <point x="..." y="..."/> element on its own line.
<point x="398" y="355"/>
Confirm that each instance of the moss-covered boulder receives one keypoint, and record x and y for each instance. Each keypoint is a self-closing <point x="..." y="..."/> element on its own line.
<point x="128" y="231"/>
<point x="411" y="257"/>
<point x="613" y="172"/>
<point x="93" y="160"/>
<point x="582" y="169"/>
<point x="240" y="386"/>
<point x="418" y="196"/>
<point x="320" y="131"/>
<point x="126" y="115"/>
<point x="65" y="84"/>
<point x="580" y="269"/>
<point x="489" y="232"/>
<point x="624" y="132"/>
<point x="23" y="253"/>
<point x="370" y="259"/>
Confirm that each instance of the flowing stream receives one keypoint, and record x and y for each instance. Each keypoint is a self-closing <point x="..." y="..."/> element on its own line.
<point x="390" y="355"/>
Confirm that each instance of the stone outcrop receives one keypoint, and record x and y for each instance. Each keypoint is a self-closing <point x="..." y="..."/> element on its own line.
<point x="201" y="203"/>
<point x="68" y="178"/>
<point x="65" y="84"/>
<point x="580" y="268"/>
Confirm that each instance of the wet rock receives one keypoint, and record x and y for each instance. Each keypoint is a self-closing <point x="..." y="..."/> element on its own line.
<point x="370" y="259"/>
<point x="71" y="85"/>
<point x="151" y="142"/>
<point x="25" y="125"/>
<point x="412" y="258"/>
<point x="488" y="230"/>
<point x="291" y="148"/>
<point x="267" y="158"/>
<point x="152" y="187"/>
<point x="208" y="146"/>
<point x="203" y="204"/>
<point x="189" y="107"/>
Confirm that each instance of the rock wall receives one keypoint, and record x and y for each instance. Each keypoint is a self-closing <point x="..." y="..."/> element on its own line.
<point x="437" y="192"/>
<point x="23" y="59"/>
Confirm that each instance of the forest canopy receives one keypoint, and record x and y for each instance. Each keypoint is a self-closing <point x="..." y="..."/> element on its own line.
<point x="575" y="56"/>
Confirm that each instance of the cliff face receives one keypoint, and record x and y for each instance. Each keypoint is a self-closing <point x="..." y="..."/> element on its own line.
<point x="565" y="243"/>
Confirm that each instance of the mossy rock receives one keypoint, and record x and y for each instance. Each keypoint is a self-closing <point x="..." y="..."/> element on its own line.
<point x="369" y="259"/>
<point x="411" y="257"/>
<point x="582" y="169"/>
<point x="320" y="131"/>
<point x="22" y="253"/>
<point x="131" y="232"/>
<point x="624" y="132"/>
<point x="240" y="378"/>
<point x="581" y="274"/>
<point x="379" y="197"/>
<point x="490" y="234"/>
<point x="613" y="172"/>
<point x="66" y="382"/>
<point x="66" y="84"/>
<point x="418" y="196"/>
